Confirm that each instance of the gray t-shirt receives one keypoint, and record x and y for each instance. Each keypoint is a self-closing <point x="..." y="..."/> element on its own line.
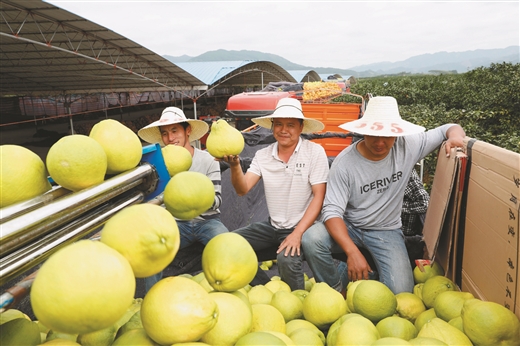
<point x="369" y="194"/>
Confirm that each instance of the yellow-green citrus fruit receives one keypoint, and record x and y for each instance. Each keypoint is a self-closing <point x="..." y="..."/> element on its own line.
<point x="260" y="339"/>
<point x="23" y="175"/>
<point x="122" y="146"/>
<point x="489" y="323"/>
<point x="417" y="289"/>
<point x="323" y="305"/>
<point x="224" y="140"/>
<point x="234" y="320"/>
<point x="267" y="318"/>
<point x="374" y="300"/>
<point x="177" y="309"/>
<point x="396" y="327"/>
<point x="278" y="285"/>
<point x="12" y="314"/>
<point x="457" y="323"/>
<point x="53" y="335"/>
<point x="60" y="342"/>
<point x="288" y="304"/>
<point x="430" y="270"/>
<point x="351" y="288"/>
<point x="284" y="337"/>
<point x="448" y="304"/>
<point x="433" y="287"/>
<point x="260" y="294"/>
<point x="136" y="337"/>
<point x="76" y="162"/>
<point x="176" y="158"/>
<point x="189" y="194"/>
<point x="133" y="323"/>
<point x="357" y="330"/>
<point x="83" y="287"/>
<point x="442" y="330"/>
<point x="424" y="317"/>
<point x="424" y="341"/>
<point x="146" y="234"/>
<point x="229" y="262"/>
<point x="296" y="324"/>
<point x="20" y="331"/>
<point x="332" y="333"/>
<point x="301" y="294"/>
<point x="305" y="337"/>
<point x="390" y="341"/>
<point x="409" y="306"/>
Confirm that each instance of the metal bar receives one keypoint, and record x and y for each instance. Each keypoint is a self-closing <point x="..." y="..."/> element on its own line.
<point x="28" y="257"/>
<point x="20" y="231"/>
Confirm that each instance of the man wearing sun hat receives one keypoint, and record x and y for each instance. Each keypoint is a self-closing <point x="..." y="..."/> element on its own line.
<point x="365" y="190"/>
<point x="294" y="172"/>
<point x="173" y="128"/>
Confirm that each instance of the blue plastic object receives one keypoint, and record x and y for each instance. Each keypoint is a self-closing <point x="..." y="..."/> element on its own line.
<point x="153" y="155"/>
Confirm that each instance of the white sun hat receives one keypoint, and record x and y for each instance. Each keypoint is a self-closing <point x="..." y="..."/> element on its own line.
<point x="172" y="115"/>
<point x="289" y="107"/>
<point x="382" y="119"/>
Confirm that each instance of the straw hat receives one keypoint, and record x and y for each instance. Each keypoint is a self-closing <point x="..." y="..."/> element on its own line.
<point x="289" y="107"/>
<point x="382" y="119"/>
<point x="170" y="116"/>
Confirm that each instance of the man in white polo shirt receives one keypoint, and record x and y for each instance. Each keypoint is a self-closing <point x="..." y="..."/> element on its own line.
<point x="294" y="172"/>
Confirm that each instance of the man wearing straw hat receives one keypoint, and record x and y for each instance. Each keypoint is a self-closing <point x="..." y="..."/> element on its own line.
<point x="173" y="128"/>
<point x="294" y="172"/>
<point x="365" y="190"/>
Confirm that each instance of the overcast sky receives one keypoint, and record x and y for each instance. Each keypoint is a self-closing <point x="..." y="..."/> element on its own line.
<point x="340" y="34"/>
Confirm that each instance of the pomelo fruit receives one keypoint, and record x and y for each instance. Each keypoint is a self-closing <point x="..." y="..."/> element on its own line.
<point x="176" y="158"/>
<point x="374" y="300"/>
<point x="260" y="339"/>
<point x="409" y="306"/>
<point x="177" y="309"/>
<point x="305" y="337"/>
<point x="301" y="294"/>
<point x="229" y="262"/>
<point x="260" y="294"/>
<point x="424" y="317"/>
<point x="146" y="234"/>
<point x="295" y="324"/>
<point x="77" y="162"/>
<point x="332" y="333"/>
<point x="53" y="335"/>
<point x="357" y="330"/>
<point x="424" y="341"/>
<point x="188" y="194"/>
<point x="278" y="285"/>
<point x="389" y="341"/>
<point x="122" y="146"/>
<point x="234" y="320"/>
<point x="288" y="304"/>
<point x="457" y="323"/>
<point x="351" y="288"/>
<point x="323" y="305"/>
<point x="395" y="326"/>
<point x="23" y="175"/>
<point x="284" y="337"/>
<point x="224" y="140"/>
<point x="83" y="287"/>
<point x="439" y="329"/>
<point x="430" y="270"/>
<point x="12" y="314"/>
<point x="448" y="304"/>
<point x="60" y="342"/>
<point x="489" y="323"/>
<point x="20" y="331"/>
<point x="267" y="318"/>
<point x="417" y="289"/>
<point x="133" y="323"/>
<point x="434" y="286"/>
<point x="135" y="337"/>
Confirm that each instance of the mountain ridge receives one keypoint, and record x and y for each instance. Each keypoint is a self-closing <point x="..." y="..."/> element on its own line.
<point x="449" y="62"/>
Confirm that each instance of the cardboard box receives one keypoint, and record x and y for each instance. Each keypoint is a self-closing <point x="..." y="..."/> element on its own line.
<point x="473" y="221"/>
<point x="490" y="249"/>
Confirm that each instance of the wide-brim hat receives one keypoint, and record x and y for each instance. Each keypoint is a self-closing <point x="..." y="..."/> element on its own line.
<point x="289" y="107"/>
<point x="382" y="119"/>
<point x="172" y="115"/>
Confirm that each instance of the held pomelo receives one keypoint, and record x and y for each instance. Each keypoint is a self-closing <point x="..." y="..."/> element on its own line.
<point x="176" y="158"/>
<point x="122" y="146"/>
<point x="229" y="262"/>
<point x="23" y="175"/>
<point x="83" y="287"/>
<point x="224" y="140"/>
<point x="177" y="309"/>
<point x="189" y="194"/>
<point x="146" y="234"/>
<point x="428" y="270"/>
<point x="76" y="162"/>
